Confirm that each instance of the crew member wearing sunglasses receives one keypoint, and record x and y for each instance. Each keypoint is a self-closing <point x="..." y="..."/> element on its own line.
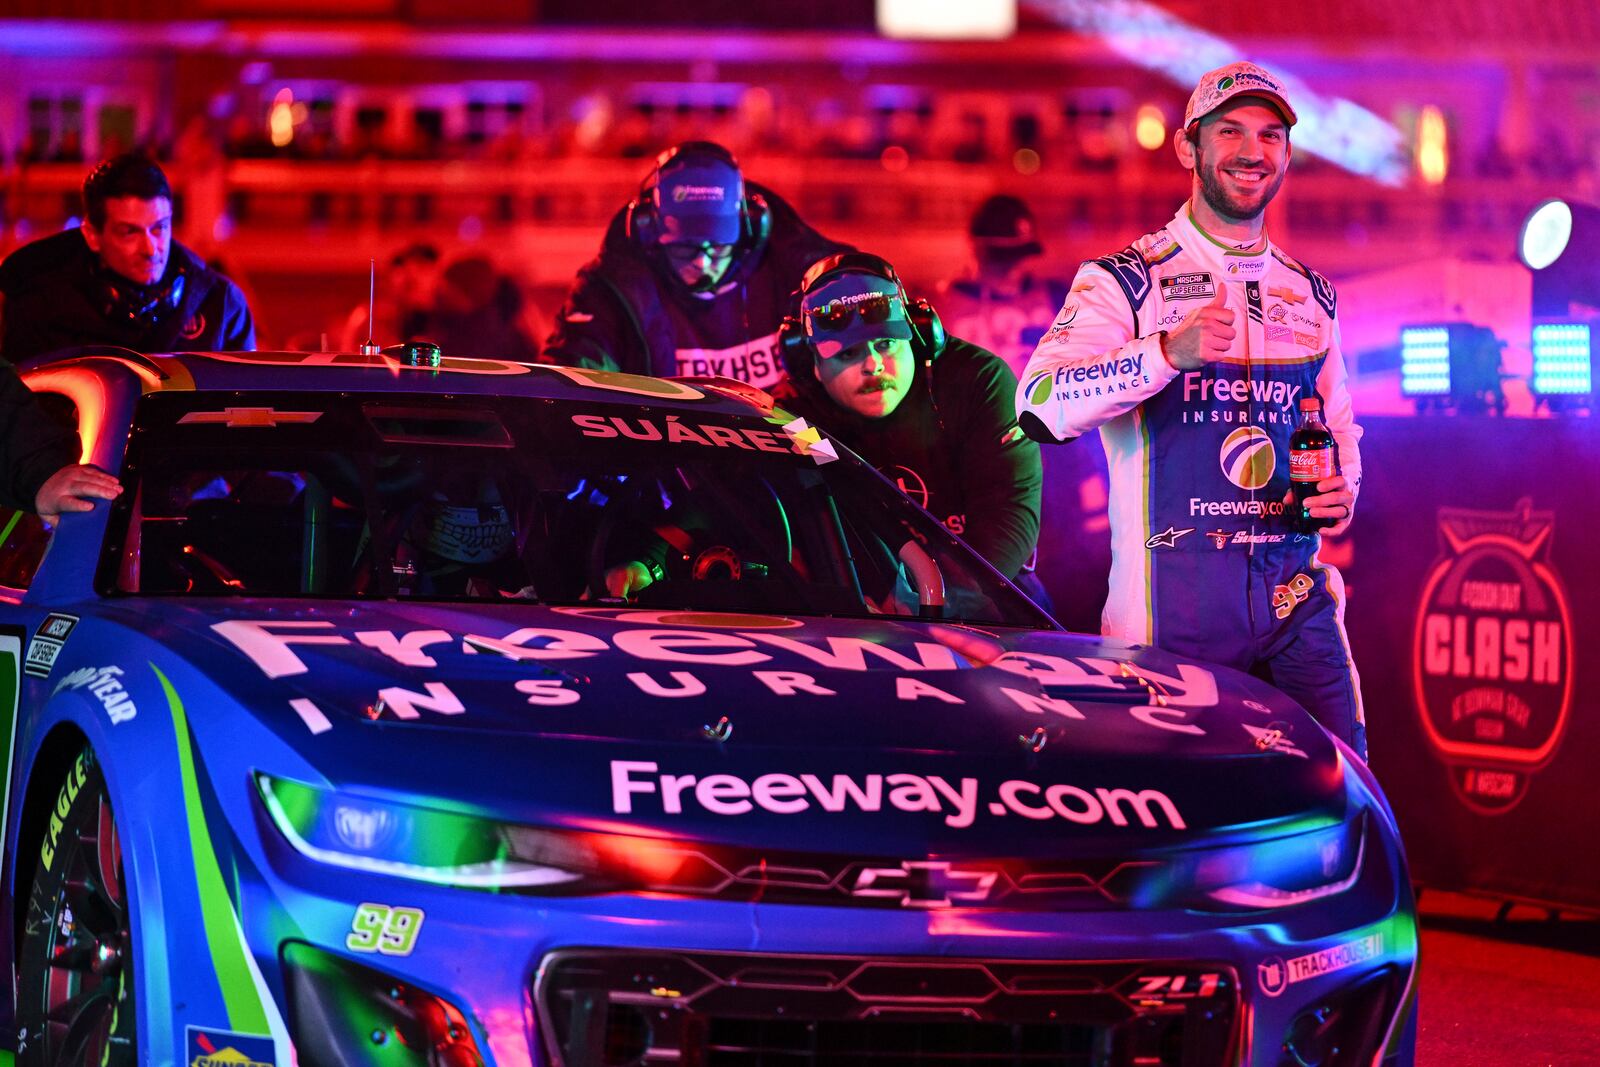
<point x="693" y="276"/>
<point x="934" y="413"/>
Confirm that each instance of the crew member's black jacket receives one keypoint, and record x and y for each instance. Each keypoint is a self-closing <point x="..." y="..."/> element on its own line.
<point x="33" y="446"/>
<point x="960" y="459"/>
<point x="58" y="296"/>
<point x="628" y="312"/>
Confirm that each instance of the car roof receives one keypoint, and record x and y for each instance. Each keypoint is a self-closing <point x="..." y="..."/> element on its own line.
<point x="381" y="373"/>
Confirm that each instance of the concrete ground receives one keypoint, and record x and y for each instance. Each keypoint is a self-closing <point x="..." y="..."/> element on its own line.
<point x="1519" y="992"/>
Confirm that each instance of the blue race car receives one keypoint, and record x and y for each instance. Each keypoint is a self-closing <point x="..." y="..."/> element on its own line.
<point x="332" y="743"/>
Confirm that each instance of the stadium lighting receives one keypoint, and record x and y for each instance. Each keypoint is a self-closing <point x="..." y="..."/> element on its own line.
<point x="1145" y="33"/>
<point x="949" y="20"/>
<point x="1557" y="243"/>
<point x="1545" y="234"/>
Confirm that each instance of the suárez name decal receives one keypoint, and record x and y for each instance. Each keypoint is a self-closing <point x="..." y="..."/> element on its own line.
<point x="674" y="431"/>
<point x="641" y="782"/>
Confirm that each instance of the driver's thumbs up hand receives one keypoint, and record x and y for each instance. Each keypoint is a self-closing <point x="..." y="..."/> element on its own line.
<point x="1205" y="336"/>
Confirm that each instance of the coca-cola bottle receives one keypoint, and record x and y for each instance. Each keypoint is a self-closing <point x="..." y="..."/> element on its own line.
<point x="1312" y="457"/>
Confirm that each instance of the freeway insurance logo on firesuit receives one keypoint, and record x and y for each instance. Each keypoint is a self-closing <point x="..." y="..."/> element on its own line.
<point x="1493" y="652"/>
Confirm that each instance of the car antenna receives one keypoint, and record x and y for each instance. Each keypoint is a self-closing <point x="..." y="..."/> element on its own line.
<point x="368" y="348"/>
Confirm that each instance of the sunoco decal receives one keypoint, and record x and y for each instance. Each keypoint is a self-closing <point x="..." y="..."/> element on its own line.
<point x="224" y="1048"/>
<point x="47" y="643"/>
<point x="1274" y="974"/>
<point x="1493" y="652"/>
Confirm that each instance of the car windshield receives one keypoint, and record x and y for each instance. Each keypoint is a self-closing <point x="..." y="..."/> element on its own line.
<point x="503" y="498"/>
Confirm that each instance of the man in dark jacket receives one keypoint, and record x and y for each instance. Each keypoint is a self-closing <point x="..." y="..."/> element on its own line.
<point x="935" y="414"/>
<point x="693" y="276"/>
<point x="120" y="279"/>
<point x="39" y="469"/>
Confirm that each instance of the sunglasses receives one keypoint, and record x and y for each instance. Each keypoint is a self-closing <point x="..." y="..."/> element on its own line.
<point x="684" y="253"/>
<point x="834" y="316"/>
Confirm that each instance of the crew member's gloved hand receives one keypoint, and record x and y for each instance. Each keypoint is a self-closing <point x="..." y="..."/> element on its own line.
<point x="627" y="580"/>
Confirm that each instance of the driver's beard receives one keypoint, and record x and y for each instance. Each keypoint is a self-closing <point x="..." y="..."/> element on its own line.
<point x="1218" y="199"/>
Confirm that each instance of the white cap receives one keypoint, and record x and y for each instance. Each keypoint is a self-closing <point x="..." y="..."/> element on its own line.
<point x="1219" y="86"/>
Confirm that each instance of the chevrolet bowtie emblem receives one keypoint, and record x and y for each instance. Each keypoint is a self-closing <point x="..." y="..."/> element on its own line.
<point x="925" y="884"/>
<point x="1288" y="296"/>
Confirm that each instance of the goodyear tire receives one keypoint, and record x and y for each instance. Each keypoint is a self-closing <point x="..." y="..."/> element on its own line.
<point x="75" y="961"/>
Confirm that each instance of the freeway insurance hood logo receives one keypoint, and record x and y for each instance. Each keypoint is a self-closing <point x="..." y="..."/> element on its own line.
<point x="1493" y="652"/>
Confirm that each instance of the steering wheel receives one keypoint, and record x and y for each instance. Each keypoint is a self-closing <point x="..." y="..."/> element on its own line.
<point x="699" y="555"/>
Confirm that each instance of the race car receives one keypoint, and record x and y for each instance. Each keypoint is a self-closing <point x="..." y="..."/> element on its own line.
<point x="409" y="709"/>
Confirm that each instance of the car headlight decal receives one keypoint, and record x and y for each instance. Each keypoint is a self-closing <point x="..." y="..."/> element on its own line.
<point x="423" y="844"/>
<point x="1280" y="872"/>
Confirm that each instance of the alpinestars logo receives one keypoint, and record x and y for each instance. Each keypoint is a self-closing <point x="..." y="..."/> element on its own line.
<point x="1493" y="652"/>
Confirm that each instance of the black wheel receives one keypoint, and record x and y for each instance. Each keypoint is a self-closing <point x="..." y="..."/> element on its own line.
<point x="75" y="962"/>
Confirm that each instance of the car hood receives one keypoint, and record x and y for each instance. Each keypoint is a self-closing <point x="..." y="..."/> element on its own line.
<point x="577" y="716"/>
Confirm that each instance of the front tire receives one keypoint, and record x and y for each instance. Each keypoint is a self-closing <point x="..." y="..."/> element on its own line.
<point x="75" y="961"/>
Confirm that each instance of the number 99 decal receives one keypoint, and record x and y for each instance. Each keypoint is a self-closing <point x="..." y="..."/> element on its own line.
<point x="1285" y="598"/>
<point x="380" y="928"/>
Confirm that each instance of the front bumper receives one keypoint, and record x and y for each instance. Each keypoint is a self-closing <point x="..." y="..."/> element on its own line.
<point x="653" y="980"/>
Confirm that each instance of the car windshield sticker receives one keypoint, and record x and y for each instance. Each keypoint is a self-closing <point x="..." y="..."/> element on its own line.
<point x="809" y="441"/>
<point x="633" y="384"/>
<point x="240" y="418"/>
<point x="673" y="430"/>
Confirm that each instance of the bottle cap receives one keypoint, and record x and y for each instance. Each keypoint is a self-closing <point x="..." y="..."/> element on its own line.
<point x="1310" y="403"/>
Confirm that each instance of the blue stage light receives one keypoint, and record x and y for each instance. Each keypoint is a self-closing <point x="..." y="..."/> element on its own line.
<point x="1425" y="361"/>
<point x="1562" y="359"/>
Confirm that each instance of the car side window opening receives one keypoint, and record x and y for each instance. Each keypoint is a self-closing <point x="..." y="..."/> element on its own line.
<point x="24" y="536"/>
<point x="499" y="499"/>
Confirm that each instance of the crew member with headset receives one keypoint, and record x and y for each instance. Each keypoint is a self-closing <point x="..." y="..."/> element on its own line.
<point x="693" y="276"/>
<point x="119" y="279"/>
<point x="875" y="369"/>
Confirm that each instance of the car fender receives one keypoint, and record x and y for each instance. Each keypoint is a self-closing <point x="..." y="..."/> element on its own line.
<point x="190" y="949"/>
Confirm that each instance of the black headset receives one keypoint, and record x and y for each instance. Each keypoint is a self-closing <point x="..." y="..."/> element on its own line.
<point x="796" y="349"/>
<point x="642" y="221"/>
<point x="123" y="301"/>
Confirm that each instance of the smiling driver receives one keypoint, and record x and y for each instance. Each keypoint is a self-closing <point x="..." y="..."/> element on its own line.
<point x="1205" y="560"/>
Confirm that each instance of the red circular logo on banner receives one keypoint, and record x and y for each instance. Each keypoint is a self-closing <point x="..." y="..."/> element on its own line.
<point x="1492" y="655"/>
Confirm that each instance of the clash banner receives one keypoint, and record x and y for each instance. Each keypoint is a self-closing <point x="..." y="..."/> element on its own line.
<point x="1472" y="570"/>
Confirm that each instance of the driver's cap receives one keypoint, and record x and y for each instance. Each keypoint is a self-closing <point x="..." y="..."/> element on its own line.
<point x="1219" y="86"/>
